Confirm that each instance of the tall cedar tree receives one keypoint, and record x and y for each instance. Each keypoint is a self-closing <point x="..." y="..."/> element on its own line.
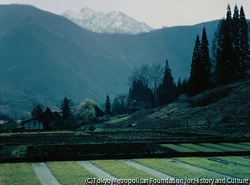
<point x="195" y="79"/>
<point x="235" y="63"/>
<point x="244" y="45"/>
<point x="224" y="50"/>
<point x="232" y="48"/>
<point x="200" y="74"/>
<point x="205" y="61"/>
<point x="182" y="87"/>
<point x="65" y="108"/>
<point x="107" y="105"/>
<point x="167" y="89"/>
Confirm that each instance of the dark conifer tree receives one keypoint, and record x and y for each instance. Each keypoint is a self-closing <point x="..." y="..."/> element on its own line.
<point x="200" y="75"/>
<point x="235" y="62"/>
<point x="244" y="57"/>
<point x="141" y="93"/>
<point x="205" y="61"/>
<point x="167" y="89"/>
<point x="66" y="108"/>
<point x="195" y="79"/>
<point x="179" y="86"/>
<point x="232" y="47"/>
<point x="225" y="50"/>
<point x="182" y="87"/>
<point x="107" y="105"/>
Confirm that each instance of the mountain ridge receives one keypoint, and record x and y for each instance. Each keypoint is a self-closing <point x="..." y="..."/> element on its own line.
<point x="110" y="22"/>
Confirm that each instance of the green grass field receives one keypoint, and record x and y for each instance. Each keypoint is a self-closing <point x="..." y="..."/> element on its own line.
<point x="200" y="148"/>
<point x="236" y="159"/>
<point x="18" y="174"/>
<point x="221" y="147"/>
<point x="245" y="143"/>
<point x="69" y="173"/>
<point x="121" y="170"/>
<point x="217" y="167"/>
<point x="172" y="169"/>
<point x="118" y="119"/>
<point x="178" y="148"/>
<point x="243" y="148"/>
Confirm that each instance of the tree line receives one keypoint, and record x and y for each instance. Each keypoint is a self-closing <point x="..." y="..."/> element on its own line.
<point x="230" y="54"/>
<point x="71" y="117"/>
<point x="152" y="85"/>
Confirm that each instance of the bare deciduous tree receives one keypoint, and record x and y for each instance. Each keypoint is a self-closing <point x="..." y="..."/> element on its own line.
<point x="150" y="75"/>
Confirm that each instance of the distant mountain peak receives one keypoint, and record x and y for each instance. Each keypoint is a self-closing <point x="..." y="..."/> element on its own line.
<point x="113" y="21"/>
<point x="87" y="11"/>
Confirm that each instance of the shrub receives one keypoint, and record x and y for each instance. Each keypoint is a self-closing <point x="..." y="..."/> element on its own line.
<point x="210" y="97"/>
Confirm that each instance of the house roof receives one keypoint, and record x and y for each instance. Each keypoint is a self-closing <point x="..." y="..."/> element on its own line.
<point x="99" y="112"/>
<point x="8" y="125"/>
<point x="27" y="120"/>
<point x="50" y="116"/>
<point x="56" y="114"/>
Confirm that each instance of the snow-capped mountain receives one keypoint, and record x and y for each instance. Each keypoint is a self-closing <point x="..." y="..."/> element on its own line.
<point x="110" y="22"/>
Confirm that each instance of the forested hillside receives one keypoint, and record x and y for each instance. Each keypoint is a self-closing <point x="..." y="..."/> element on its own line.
<point x="45" y="57"/>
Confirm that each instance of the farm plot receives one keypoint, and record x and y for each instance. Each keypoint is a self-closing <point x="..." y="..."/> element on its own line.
<point x="200" y="148"/>
<point x="173" y="169"/>
<point x="235" y="159"/>
<point x="69" y="172"/>
<point x="217" y="167"/>
<point x="18" y="173"/>
<point x="243" y="148"/>
<point x="222" y="147"/>
<point x="245" y="143"/>
<point x="178" y="148"/>
<point x="121" y="170"/>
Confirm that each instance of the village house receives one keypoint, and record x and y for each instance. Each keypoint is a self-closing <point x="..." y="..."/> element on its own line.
<point x="43" y="122"/>
<point x="99" y="114"/>
<point x="35" y="124"/>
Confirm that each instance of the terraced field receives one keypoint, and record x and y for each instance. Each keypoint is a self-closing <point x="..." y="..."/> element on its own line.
<point x="178" y="148"/>
<point x="135" y="171"/>
<point x="222" y="147"/>
<point x="209" y="147"/>
<point x="200" y="148"/>
<point x="235" y="172"/>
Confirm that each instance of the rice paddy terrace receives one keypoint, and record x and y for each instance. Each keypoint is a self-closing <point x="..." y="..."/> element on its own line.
<point x="207" y="170"/>
<point x="138" y="157"/>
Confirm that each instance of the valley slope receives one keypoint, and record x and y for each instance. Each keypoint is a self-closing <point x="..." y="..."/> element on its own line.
<point x="45" y="57"/>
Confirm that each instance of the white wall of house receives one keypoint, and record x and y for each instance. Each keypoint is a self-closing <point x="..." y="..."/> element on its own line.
<point x="33" y="125"/>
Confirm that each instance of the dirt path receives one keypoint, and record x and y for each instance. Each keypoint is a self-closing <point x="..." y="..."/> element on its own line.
<point x="95" y="170"/>
<point x="147" y="169"/>
<point x="44" y="174"/>
<point x="221" y="176"/>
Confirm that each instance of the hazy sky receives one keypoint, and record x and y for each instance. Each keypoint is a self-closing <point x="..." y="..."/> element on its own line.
<point x="155" y="13"/>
